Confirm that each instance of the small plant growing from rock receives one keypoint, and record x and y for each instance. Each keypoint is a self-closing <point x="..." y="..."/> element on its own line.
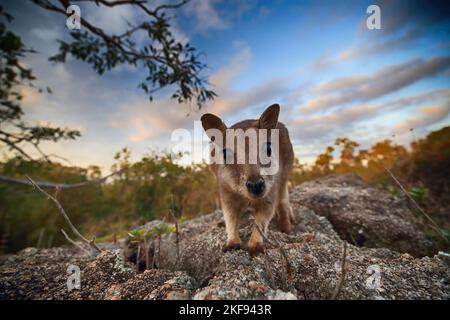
<point x="145" y="239"/>
<point x="421" y="195"/>
<point x="158" y="232"/>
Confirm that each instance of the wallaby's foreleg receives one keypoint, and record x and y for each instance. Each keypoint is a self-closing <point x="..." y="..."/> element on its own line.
<point x="231" y="217"/>
<point x="285" y="215"/>
<point x="262" y="219"/>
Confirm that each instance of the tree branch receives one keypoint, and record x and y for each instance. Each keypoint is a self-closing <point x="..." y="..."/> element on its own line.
<point x="167" y="60"/>
<point x="434" y="224"/>
<point x="343" y="271"/>
<point x="91" y="243"/>
<point x="13" y="146"/>
<point x="52" y="185"/>
<point x="74" y="243"/>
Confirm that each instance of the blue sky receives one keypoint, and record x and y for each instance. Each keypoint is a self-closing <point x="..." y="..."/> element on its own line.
<point x="331" y="75"/>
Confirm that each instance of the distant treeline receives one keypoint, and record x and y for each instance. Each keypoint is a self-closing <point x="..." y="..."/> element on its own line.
<point x="157" y="187"/>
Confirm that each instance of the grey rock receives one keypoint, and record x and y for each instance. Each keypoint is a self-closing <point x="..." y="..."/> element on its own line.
<point x="364" y="215"/>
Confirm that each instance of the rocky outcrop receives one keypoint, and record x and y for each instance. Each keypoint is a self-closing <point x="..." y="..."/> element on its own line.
<point x="312" y="269"/>
<point x="42" y="274"/>
<point x="364" y="215"/>
<point x="303" y="265"/>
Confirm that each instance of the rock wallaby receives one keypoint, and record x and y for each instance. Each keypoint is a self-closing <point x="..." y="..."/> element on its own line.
<point x="252" y="161"/>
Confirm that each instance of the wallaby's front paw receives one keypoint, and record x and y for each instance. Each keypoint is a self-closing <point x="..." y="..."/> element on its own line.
<point x="286" y="227"/>
<point x="255" y="248"/>
<point x="232" y="246"/>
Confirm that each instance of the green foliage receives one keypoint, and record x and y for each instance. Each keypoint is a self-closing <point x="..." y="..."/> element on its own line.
<point x="446" y="233"/>
<point x="149" y="189"/>
<point x="24" y="212"/>
<point x="420" y="195"/>
<point x="142" y="234"/>
<point x="167" y="62"/>
<point x="431" y="161"/>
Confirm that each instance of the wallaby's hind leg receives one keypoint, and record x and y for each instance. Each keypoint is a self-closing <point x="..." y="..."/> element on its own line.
<point x="284" y="212"/>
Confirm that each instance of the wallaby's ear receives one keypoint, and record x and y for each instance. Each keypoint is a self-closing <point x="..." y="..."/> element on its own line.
<point x="210" y="121"/>
<point x="269" y="118"/>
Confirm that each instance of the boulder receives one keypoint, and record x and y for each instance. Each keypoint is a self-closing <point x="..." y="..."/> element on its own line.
<point x="364" y="215"/>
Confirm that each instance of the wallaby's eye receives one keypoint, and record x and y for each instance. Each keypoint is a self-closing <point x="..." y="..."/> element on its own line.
<point x="268" y="149"/>
<point x="227" y="156"/>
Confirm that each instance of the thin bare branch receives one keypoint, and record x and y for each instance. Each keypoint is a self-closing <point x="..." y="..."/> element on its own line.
<point x="52" y="185"/>
<point x="75" y="244"/>
<point x="343" y="271"/>
<point x="91" y="243"/>
<point x="147" y="254"/>
<point x="14" y="146"/>
<point x="177" y="233"/>
<point x="137" y="257"/>
<point x="434" y="224"/>
<point x="171" y="6"/>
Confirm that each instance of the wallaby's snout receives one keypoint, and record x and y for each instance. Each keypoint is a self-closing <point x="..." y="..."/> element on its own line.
<point x="256" y="185"/>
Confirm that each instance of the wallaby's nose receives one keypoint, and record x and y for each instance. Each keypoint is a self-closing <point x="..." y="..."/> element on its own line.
<point x="256" y="185"/>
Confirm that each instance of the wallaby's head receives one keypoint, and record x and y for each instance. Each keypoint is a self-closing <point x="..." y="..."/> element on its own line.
<point x="245" y="157"/>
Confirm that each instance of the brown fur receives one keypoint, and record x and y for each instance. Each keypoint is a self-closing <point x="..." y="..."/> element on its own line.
<point x="232" y="178"/>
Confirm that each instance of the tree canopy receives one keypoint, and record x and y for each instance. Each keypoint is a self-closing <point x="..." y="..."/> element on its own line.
<point x="14" y="131"/>
<point x="168" y="63"/>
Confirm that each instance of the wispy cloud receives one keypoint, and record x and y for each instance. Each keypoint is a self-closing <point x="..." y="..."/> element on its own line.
<point x="362" y="88"/>
<point x="112" y="20"/>
<point x="142" y="121"/>
<point x="205" y="14"/>
<point x="426" y="116"/>
<point x="404" y="24"/>
<point x="316" y="131"/>
<point x="222" y="78"/>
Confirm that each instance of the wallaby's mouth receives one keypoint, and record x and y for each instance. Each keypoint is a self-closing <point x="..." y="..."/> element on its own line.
<point x="255" y="197"/>
<point x="256" y="186"/>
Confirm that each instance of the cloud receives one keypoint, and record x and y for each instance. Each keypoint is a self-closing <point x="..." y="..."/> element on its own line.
<point x="427" y="116"/>
<point x="205" y="14"/>
<point x="404" y="24"/>
<point x="367" y="48"/>
<point x="232" y="101"/>
<point x="112" y="20"/>
<point x="376" y="47"/>
<point x="313" y="133"/>
<point x="323" y="128"/>
<point x="364" y="88"/>
<point x="142" y="121"/>
<point x="339" y="84"/>
<point x="222" y="78"/>
<point x="46" y="34"/>
<point x="30" y="97"/>
<point x="179" y="34"/>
